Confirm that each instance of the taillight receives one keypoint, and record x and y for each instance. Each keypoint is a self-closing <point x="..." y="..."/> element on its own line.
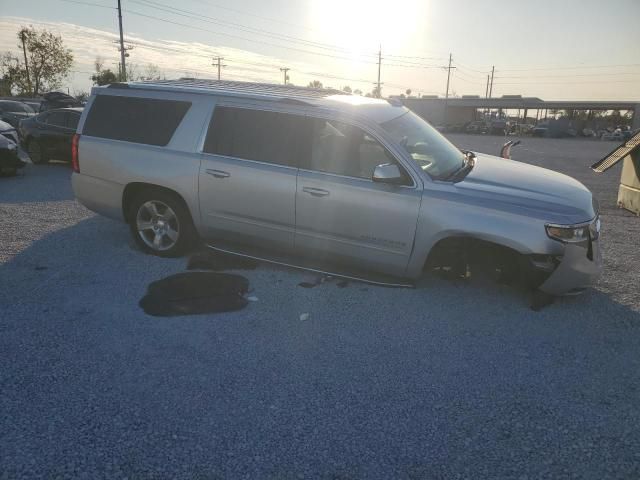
<point x="75" y="159"/>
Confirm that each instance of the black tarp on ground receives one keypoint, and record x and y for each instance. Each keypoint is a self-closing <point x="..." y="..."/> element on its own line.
<point x="195" y="293"/>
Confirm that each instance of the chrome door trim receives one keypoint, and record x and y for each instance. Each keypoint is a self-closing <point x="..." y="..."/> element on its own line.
<point x="315" y="270"/>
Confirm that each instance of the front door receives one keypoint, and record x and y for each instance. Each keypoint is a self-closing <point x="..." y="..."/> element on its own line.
<point x="54" y="134"/>
<point x="247" y="181"/>
<point x="342" y="216"/>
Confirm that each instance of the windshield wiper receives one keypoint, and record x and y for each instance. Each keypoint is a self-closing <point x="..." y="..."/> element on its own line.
<point x="468" y="162"/>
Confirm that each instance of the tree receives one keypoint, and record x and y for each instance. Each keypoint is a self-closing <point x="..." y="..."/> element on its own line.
<point x="48" y="62"/>
<point x="315" y="84"/>
<point x="408" y="92"/>
<point x="357" y="91"/>
<point x="81" y="96"/>
<point x="151" y="72"/>
<point x="376" y="92"/>
<point x="346" y="88"/>
<point x="103" y="76"/>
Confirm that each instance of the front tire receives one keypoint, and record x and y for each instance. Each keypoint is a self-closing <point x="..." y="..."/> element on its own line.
<point x="161" y="223"/>
<point x="36" y="152"/>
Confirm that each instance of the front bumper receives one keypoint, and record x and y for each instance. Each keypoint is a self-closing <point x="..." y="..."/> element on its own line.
<point x="580" y="267"/>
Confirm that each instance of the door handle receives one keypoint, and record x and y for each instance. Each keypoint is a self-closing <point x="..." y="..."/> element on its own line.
<point x="218" y="173"/>
<point x="316" y="192"/>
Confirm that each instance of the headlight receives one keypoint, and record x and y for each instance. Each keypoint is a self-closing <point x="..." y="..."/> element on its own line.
<point x="568" y="233"/>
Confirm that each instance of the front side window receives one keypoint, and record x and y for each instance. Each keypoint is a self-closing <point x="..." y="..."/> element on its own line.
<point x="264" y="136"/>
<point x="433" y="153"/>
<point x="343" y="149"/>
<point x="148" y="121"/>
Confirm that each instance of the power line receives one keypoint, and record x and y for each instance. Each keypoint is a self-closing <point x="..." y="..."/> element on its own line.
<point x="571" y="76"/>
<point x="565" y="83"/>
<point x="260" y="42"/>
<point x="78" y="2"/>
<point x="252" y="30"/>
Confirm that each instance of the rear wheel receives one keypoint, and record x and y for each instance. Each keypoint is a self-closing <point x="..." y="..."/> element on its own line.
<point x="161" y="224"/>
<point x="36" y="152"/>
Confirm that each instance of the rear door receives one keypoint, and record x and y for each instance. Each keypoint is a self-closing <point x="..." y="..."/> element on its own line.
<point x="342" y="216"/>
<point x="247" y="181"/>
<point x="71" y="124"/>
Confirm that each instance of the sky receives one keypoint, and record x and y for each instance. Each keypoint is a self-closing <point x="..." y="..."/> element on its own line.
<point x="552" y="49"/>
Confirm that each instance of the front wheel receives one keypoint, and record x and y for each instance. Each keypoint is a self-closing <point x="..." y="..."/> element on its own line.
<point x="161" y="224"/>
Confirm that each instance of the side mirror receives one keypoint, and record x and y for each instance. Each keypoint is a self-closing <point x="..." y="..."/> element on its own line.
<point x="388" y="173"/>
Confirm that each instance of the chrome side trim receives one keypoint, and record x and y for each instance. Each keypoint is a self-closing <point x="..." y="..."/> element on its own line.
<point x="290" y="265"/>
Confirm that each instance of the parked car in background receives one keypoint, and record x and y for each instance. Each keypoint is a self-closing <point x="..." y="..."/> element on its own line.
<point x="54" y="100"/>
<point x="540" y="130"/>
<point x="9" y="160"/>
<point x="476" y="127"/>
<point x="9" y="131"/>
<point x="319" y="179"/>
<point x="12" y="112"/>
<point x="498" y="126"/>
<point x="48" y="135"/>
<point x="615" y="136"/>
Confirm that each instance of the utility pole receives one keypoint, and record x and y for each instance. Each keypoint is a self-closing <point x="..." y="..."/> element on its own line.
<point x="486" y="90"/>
<point x="286" y="76"/>
<point x="122" y="50"/>
<point x="493" y="68"/>
<point x="26" y="63"/>
<point x="219" y="64"/>
<point x="379" y="90"/>
<point x="446" y="97"/>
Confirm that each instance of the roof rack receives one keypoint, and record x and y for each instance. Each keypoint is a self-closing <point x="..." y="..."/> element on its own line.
<point x="198" y="85"/>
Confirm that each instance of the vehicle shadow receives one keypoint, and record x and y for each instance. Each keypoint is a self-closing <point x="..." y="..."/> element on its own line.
<point x="38" y="183"/>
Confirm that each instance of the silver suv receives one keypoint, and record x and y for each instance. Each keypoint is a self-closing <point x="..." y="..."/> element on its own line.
<point x="322" y="180"/>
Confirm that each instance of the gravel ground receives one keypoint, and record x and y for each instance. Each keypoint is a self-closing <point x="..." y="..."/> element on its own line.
<point x="442" y="381"/>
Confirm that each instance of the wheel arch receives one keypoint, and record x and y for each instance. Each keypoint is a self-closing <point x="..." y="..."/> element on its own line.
<point x="422" y="257"/>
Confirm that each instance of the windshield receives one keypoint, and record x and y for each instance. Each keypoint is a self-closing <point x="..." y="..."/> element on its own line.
<point x="431" y="151"/>
<point x="15" y="107"/>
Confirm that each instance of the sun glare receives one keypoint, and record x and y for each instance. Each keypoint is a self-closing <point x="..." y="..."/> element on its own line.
<point x="360" y="26"/>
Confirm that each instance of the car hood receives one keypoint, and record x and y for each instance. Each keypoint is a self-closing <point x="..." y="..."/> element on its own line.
<point x="519" y="187"/>
<point x="18" y="114"/>
<point x="4" y="126"/>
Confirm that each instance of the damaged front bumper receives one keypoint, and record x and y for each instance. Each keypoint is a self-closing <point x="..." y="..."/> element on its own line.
<point x="578" y="268"/>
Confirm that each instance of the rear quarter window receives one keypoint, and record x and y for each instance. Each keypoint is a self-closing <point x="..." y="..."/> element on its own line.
<point x="139" y="120"/>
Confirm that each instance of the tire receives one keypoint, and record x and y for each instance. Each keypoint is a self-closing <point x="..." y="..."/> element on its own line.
<point x="160" y="223"/>
<point x="36" y="152"/>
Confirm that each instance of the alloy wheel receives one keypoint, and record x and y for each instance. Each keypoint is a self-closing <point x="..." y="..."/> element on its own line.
<point x="157" y="225"/>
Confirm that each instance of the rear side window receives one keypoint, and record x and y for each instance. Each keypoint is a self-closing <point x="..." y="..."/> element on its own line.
<point x="57" y="119"/>
<point x="72" y="120"/>
<point x="139" y="120"/>
<point x="269" y="137"/>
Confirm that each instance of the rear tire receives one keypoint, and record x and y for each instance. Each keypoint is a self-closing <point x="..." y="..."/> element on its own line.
<point x="36" y="152"/>
<point x="160" y="223"/>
